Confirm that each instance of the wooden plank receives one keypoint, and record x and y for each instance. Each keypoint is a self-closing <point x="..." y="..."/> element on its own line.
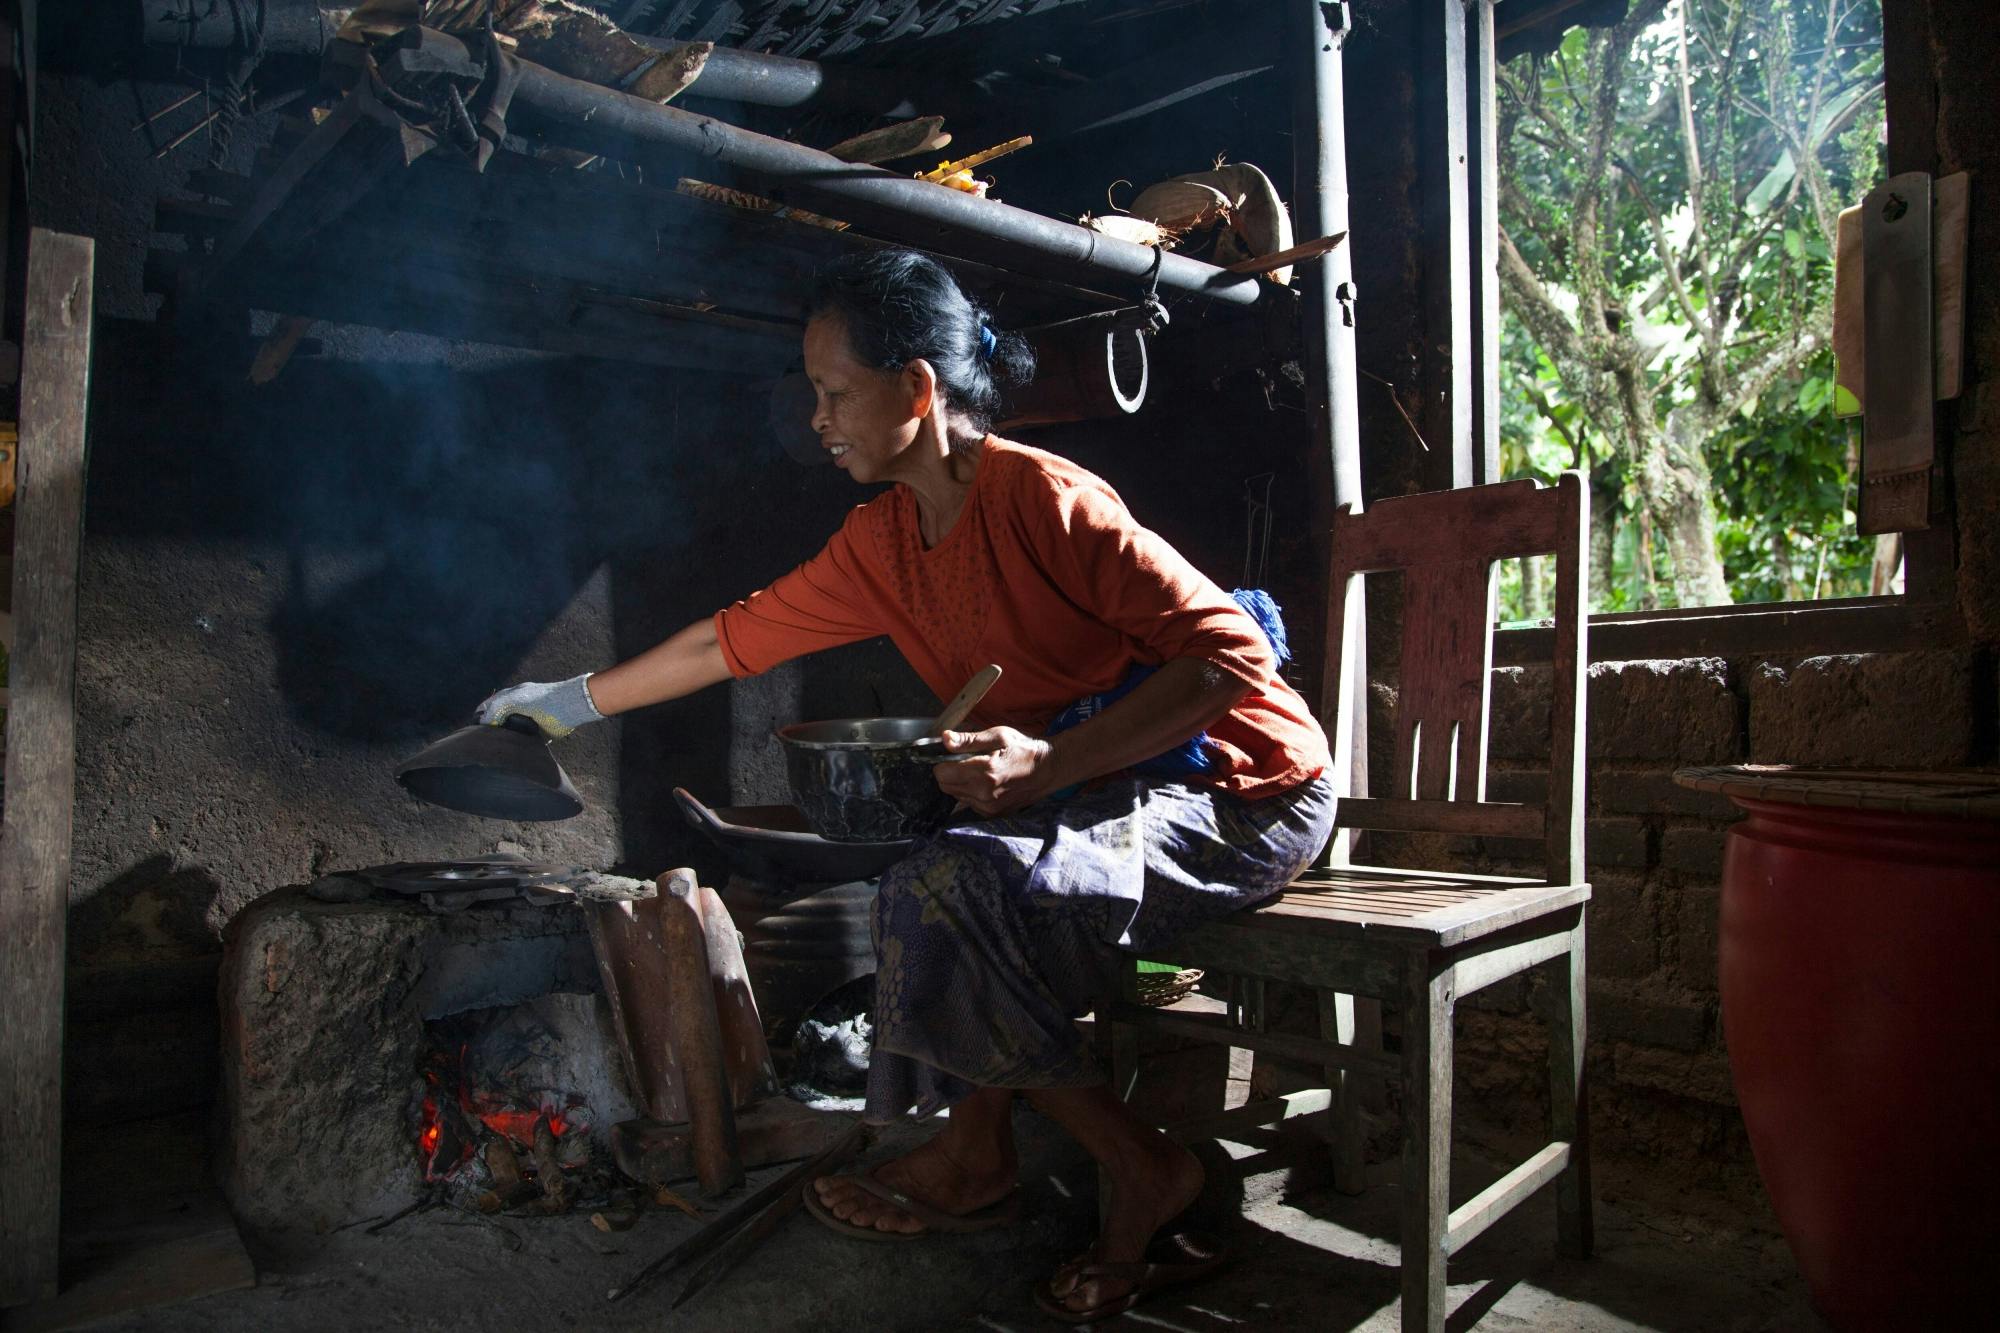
<point x="1360" y="966"/>
<point x="184" y="1246"/>
<point x="1426" y="1197"/>
<point x="1446" y="671"/>
<point x="1482" y="118"/>
<point x="1458" y="925"/>
<point x="1494" y="1202"/>
<point x="1850" y="625"/>
<point x="1521" y="947"/>
<point x="1286" y="1046"/>
<point x="1446" y="277"/>
<point x="41" y="756"/>
<point x="11" y="142"/>
<point x="276" y="188"/>
<point x="1288" y="256"/>
<point x="1365" y="874"/>
<point x="1252" y="1115"/>
<point x="1489" y="819"/>
<point x="1563" y="857"/>
<point x="1510" y="518"/>
<point x="1339" y="1022"/>
<point x="1899" y="435"/>
<point x="1315" y="37"/>
<point x="1569" y="1102"/>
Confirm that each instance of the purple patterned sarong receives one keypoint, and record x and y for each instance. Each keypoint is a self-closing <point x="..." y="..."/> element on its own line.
<point x="994" y="935"/>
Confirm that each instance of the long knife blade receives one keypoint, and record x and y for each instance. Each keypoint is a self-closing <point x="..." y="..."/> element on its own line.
<point x="738" y="1246"/>
<point x="723" y="1227"/>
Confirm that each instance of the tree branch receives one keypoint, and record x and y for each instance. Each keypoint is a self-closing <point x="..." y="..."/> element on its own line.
<point x="1669" y="261"/>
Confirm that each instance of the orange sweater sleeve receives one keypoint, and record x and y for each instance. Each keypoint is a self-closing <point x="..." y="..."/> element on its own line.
<point x="824" y="603"/>
<point x="1130" y="578"/>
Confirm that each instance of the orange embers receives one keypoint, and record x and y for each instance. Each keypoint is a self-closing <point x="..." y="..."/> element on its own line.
<point x="452" y="1113"/>
<point x="519" y="1126"/>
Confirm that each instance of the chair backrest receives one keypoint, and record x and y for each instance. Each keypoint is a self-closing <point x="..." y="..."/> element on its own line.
<point x="1445" y="545"/>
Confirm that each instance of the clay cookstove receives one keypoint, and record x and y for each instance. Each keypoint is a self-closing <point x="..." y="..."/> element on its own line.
<point x="419" y="1033"/>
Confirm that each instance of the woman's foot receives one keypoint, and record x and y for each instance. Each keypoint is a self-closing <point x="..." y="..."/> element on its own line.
<point x="1150" y="1186"/>
<point x="952" y="1177"/>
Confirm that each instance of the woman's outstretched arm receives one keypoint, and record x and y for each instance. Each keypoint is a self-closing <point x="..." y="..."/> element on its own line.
<point x="688" y="661"/>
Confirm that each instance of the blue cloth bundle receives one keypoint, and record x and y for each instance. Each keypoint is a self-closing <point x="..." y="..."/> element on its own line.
<point x="1191" y="757"/>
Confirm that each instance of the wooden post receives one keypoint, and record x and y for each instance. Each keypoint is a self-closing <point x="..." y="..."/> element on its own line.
<point x="1483" y="125"/>
<point x="1447" y="286"/>
<point x="41" y="757"/>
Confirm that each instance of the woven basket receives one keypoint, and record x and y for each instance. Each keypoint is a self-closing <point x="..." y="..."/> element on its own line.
<point x="1160" y="989"/>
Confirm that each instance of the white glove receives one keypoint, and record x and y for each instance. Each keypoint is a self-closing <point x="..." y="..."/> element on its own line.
<point x="557" y="707"/>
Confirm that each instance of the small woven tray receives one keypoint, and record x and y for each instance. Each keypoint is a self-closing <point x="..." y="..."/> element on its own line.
<point x="1160" y="989"/>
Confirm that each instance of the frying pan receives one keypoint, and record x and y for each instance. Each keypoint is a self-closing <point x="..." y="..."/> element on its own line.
<point x="501" y="772"/>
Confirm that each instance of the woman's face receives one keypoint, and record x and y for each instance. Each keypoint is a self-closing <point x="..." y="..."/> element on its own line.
<point x="865" y="417"/>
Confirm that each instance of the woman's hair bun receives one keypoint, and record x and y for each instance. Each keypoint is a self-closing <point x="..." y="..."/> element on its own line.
<point x="1012" y="363"/>
<point x="900" y="306"/>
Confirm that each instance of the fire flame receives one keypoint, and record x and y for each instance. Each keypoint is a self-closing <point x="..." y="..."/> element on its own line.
<point x="520" y="1125"/>
<point x="445" y="1077"/>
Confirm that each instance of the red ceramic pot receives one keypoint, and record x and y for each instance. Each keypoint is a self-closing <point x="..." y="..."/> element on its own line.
<point x="1859" y="951"/>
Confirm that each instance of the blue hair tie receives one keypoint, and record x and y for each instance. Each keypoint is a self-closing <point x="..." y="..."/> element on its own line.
<point x="987" y="342"/>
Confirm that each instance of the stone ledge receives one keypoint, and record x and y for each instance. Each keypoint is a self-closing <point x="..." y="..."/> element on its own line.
<point x="1895" y="710"/>
<point x="1682" y="710"/>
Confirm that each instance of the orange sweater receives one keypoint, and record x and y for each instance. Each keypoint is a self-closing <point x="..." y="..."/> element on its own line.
<point x="1045" y="572"/>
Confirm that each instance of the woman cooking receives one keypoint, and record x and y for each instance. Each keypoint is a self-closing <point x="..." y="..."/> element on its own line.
<point x="1000" y="930"/>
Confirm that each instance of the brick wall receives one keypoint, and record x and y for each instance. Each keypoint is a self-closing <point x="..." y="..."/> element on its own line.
<point x="1658" y="1063"/>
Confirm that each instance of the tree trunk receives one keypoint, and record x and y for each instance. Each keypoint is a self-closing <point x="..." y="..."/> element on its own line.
<point x="1681" y="495"/>
<point x="1534" y="606"/>
<point x="1603" y="533"/>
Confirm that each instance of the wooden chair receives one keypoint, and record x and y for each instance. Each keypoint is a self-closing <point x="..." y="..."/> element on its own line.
<point x="1422" y="940"/>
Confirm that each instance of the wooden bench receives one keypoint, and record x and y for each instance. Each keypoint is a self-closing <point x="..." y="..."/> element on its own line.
<point x="1421" y="940"/>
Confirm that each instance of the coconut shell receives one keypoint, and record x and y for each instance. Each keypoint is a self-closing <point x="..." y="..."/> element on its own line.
<point x="1136" y="230"/>
<point x="1181" y="205"/>
<point x="1259" y="219"/>
<point x="1237" y="193"/>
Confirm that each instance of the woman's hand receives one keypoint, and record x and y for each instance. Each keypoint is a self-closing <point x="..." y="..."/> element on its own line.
<point x="557" y="707"/>
<point x="1006" y="770"/>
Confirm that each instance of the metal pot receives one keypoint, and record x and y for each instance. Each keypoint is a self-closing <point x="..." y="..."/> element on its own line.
<point x="867" y="779"/>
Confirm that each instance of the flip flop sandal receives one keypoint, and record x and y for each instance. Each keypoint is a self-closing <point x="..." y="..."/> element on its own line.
<point x="935" y="1222"/>
<point x="1196" y="1259"/>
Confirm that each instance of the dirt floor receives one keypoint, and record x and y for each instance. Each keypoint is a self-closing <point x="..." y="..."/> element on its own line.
<point x="1675" y="1258"/>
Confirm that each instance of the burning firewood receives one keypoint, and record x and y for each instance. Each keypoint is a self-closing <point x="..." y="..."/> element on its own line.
<point x="548" y="1171"/>
<point x="503" y="1164"/>
<point x="503" y="1168"/>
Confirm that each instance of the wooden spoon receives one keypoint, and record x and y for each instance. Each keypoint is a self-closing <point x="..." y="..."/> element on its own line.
<point x="964" y="701"/>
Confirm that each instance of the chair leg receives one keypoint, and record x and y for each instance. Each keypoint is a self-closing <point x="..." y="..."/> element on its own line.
<point x="1117" y="1046"/>
<point x="1354" y="1022"/>
<point x="1569" y="1111"/>
<point x="1426" y="1201"/>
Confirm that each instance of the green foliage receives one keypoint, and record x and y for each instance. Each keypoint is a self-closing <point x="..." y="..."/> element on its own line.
<point x="1752" y="250"/>
<point x="1785" y="496"/>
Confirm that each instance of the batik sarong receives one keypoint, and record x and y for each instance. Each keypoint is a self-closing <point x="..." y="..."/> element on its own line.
<point x="994" y="935"/>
